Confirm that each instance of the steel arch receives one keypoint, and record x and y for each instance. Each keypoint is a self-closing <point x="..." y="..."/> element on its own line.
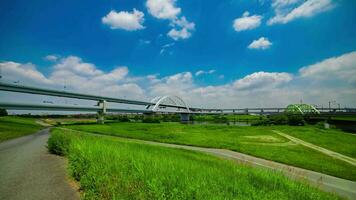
<point x="168" y="100"/>
<point x="302" y="109"/>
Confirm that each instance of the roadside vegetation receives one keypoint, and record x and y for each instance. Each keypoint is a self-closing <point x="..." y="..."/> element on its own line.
<point x="258" y="141"/>
<point x="13" y="127"/>
<point x="112" y="168"/>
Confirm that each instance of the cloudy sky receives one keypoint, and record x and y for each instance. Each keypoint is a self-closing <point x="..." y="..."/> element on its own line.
<point x="231" y="53"/>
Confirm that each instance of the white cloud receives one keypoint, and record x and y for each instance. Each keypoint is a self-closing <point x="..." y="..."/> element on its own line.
<point x="332" y="78"/>
<point x="52" y="58"/>
<point x="76" y="75"/>
<point x="179" y="34"/>
<point x="181" y="29"/>
<point x="129" y="21"/>
<point x="22" y="73"/>
<point x="247" y="22"/>
<point x="285" y="13"/>
<point x="176" y="84"/>
<point x="163" y="9"/>
<point x="165" y="47"/>
<point x="201" y="72"/>
<point x="342" y="68"/>
<point x="261" y="43"/>
<point x="283" y="3"/>
<point x="261" y="80"/>
<point x="76" y="65"/>
<point x="166" y="9"/>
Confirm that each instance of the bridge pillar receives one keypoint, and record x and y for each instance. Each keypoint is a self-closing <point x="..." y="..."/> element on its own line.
<point x="184" y="118"/>
<point x="102" y="112"/>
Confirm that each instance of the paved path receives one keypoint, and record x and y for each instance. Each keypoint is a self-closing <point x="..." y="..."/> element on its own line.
<point x="333" y="154"/>
<point x="28" y="171"/>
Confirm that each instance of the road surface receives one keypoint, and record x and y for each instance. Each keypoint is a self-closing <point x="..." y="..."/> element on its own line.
<point x="28" y="171"/>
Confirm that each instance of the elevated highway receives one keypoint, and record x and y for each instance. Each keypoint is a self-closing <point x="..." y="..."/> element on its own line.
<point x="164" y="104"/>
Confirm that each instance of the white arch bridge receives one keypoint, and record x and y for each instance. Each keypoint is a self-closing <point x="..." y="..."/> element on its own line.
<point x="162" y="104"/>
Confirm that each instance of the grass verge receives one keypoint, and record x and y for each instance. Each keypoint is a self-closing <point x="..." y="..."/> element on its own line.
<point x="13" y="127"/>
<point x="256" y="141"/>
<point x="112" y="168"/>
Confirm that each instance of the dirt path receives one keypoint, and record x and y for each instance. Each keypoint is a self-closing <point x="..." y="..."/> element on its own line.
<point x="28" y="171"/>
<point x="333" y="154"/>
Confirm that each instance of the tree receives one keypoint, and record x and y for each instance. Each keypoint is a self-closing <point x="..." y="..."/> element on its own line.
<point x="3" y="112"/>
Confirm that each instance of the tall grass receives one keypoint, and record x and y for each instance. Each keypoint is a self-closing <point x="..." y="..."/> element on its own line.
<point x="13" y="127"/>
<point x="239" y="139"/>
<point x="109" y="168"/>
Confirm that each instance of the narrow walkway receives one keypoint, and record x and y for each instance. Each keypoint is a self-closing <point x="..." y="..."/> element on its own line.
<point x="28" y="171"/>
<point x="333" y="154"/>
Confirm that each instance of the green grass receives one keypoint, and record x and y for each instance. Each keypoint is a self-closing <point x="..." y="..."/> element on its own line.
<point x="332" y="139"/>
<point x="13" y="127"/>
<point x="112" y="168"/>
<point x="256" y="141"/>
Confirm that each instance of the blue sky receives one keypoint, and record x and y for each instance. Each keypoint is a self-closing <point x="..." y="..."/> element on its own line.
<point x="303" y="34"/>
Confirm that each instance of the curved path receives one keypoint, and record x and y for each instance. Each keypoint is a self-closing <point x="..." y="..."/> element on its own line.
<point x="28" y="171"/>
<point x="342" y="187"/>
<point x="328" y="152"/>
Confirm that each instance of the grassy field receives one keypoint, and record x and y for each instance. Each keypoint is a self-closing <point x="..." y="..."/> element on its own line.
<point x="12" y="127"/>
<point x="332" y="139"/>
<point x="257" y="141"/>
<point x="112" y="168"/>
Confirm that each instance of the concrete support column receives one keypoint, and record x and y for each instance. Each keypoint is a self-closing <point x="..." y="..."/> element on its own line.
<point x="184" y="118"/>
<point x="102" y="112"/>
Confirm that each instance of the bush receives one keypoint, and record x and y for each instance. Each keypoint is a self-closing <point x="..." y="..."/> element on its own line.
<point x="296" y="120"/>
<point x="123" y="118"/>
<point x="220" y="119"/>
<point x="320" y="125"/>
<point x="280" y="119"/>
<point x="263" y="122"/>
<point x="150" y="120"/>
<point x="3" y="112"/>
<point x="58" y="144"/>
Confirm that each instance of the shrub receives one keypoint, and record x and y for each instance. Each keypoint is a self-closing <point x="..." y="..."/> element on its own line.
<point x="123" y="118"/>
<point x="320" y="125"/>
<point x="262" y="122"/>
<point x="3" y="112"/>
<point x="58" y="144"/>
<point x="280" y="119"/>
<point x="296" y="120"/>
<point x="220" y="119"/>
<point x="150" y="120"/>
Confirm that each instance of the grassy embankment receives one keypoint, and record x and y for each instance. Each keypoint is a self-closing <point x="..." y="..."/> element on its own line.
<point x="13" y="127"/>
<point x="112" y="168"/>
<point x="332" y="139"/>
<point x="256" y="141"/>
